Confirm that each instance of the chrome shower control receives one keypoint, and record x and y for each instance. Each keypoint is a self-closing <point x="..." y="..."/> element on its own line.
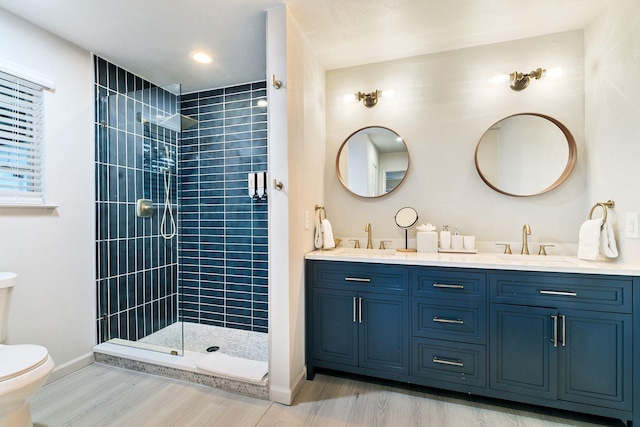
<point x="144" y="208"/>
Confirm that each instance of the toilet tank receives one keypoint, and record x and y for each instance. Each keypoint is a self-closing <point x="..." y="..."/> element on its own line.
<point x="7" y="281"/>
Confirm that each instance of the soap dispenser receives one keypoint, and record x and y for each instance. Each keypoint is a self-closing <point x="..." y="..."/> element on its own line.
<point x="457" y="241"/>
<point x="445" y="238"/>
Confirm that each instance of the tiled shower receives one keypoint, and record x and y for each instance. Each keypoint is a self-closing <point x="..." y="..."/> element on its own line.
<point x="223" y="250"/>
<point x="214" y="271"/>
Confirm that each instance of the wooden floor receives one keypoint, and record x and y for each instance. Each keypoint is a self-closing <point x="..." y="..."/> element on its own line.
<point x="100" y="395"/>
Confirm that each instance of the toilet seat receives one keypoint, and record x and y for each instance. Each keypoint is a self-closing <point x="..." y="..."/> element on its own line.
<point x="16" y="360"/>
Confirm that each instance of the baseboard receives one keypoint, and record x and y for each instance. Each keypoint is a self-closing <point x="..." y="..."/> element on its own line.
<point x="286" y="396"/>
<point x="70" y="367"/>
<point x="298" y="383"/>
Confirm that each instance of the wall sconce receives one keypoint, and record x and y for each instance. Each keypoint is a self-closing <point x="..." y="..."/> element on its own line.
<point x="369" y="99"/>
<point x="519" y="81"/>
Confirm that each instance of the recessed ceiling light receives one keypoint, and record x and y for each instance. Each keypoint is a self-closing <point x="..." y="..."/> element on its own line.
<point x="201" y="57"/>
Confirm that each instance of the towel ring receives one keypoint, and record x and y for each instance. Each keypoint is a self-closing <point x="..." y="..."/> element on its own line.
<point x="322" y="211"/>
<point x="604" y="206"/>
<point x="604" y="212"/>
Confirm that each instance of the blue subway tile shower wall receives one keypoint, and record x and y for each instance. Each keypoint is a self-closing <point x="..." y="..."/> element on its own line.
<point x="223" y="248"/>
<point x="136" y="268"/>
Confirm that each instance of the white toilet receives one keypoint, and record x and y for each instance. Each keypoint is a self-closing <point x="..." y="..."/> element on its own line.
<point x="23" y="368"/>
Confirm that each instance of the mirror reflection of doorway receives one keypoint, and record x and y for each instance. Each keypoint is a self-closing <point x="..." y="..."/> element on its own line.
<point x="392" y="179"/>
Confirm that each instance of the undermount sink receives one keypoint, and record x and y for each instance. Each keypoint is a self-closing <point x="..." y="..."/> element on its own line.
<point x="537" y="259"/>
<point x="365" y="252"/>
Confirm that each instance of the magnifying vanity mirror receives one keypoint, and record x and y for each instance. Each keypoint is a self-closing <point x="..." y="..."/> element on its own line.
<point x="526" y="154"/>
<point x="405" y="219"/>
<point x="372" y="161"/>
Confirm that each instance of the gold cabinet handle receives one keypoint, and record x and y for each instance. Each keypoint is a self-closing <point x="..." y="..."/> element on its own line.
<point x="440" y="320"/>
<point x="448" y="362"/>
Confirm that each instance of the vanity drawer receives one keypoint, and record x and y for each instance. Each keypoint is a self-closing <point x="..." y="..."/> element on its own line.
<point x="448" y="283"/>
<point x="361" y="276"/>
<point x="453" y="321"/>
<point x="449" y="361"/>
<point x="585" y="291"/>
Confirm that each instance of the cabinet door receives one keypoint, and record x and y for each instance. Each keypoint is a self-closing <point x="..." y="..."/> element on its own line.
<point x="523" y="359"/>
<point x="335" y="334"/>
<point x="595" y="358"/>
<point x="384" y="333"/>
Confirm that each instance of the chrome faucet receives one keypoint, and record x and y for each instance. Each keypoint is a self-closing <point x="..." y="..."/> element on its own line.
<point x="526" y="230"/>
<point x="367" y="228"/>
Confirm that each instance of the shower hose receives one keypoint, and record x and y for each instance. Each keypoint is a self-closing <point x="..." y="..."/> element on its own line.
<point x="167" y="234"/>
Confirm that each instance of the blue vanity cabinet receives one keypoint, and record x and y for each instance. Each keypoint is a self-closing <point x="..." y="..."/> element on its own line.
<point x="564" y="337"/>
<point x="568" y="341"/>
<point x="448" y="328"/>
<point x="358" y="318"/>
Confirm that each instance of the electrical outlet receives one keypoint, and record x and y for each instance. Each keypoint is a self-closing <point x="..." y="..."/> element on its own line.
<point x="306" y="220"/>
<point x="632" y="225"/>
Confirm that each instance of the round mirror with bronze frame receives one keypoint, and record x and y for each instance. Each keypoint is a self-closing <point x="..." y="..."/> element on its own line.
<point x="372" y="161"/>
<point x="526" y="154"/>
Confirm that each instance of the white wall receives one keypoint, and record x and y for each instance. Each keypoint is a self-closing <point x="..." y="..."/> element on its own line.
<point x="296" y="158"/>
<point x="612" y="111"/>
<point x="53" y="251"/>
<point x="305" y="96"/>
<point x="442" y="106"/>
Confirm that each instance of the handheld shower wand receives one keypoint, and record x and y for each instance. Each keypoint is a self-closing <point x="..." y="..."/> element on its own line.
<point x="172" y="229"/>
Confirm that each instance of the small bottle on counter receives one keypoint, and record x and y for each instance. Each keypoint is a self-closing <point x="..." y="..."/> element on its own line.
<point x="457" y="241"/>
<point x="445" y="238"/>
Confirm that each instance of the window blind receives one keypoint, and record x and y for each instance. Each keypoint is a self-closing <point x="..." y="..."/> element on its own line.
<point x="21" y="140"/>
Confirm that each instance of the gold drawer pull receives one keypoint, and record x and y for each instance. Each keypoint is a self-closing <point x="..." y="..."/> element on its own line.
<point x="448" y="362"/>
<point x="440" y="320"/>
<point x="443" y="285"/>
<point x="561" y="293"/>
<point x="356" y="279"/>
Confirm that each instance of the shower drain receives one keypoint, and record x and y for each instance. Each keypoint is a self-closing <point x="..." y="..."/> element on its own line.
<point x="213" y="348"/>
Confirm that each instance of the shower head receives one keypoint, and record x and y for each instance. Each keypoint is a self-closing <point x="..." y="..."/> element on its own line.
<point x="187" y="122"/>
<point x="175" y="122"/>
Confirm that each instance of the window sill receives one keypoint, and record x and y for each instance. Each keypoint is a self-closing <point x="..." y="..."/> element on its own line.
<point x="27" y="207"/>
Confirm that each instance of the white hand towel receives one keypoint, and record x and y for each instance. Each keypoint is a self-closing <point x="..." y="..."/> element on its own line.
<point x="319" y="237"/>
<point x="608" y="246"/>
<point x="589" y="239"/>
<point x="328" y="234"/>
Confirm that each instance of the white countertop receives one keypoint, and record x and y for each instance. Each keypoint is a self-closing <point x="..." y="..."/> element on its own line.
<point x="493" y="261"/>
